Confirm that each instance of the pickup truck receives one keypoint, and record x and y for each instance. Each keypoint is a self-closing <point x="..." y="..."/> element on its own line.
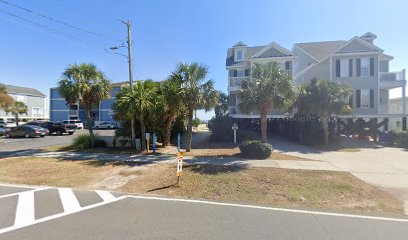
<point x="55" y="127"/>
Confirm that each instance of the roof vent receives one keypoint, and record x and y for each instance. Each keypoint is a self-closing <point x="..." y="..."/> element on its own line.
<point x="369" y="37"/>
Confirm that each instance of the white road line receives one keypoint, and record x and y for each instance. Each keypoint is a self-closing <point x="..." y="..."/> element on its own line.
<point x="68" y="199"/>
<point x="25" y="209"/>
<point x="18" y="193"/>
<point x="273" y="209"/>
<point x="8" y="229"/>
<point x="105" y="195"/>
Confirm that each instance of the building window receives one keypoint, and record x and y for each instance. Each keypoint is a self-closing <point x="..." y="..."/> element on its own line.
<point x="398" y="123"/>
<point x="37" y="112"/>
<point x="365" y="67"/>
<point x="241" y="73"/>
<point x="344" y="67"/>
<point x="365" y="98"/>
<point x="21" y="98"/>
<point x="239" y="55"/>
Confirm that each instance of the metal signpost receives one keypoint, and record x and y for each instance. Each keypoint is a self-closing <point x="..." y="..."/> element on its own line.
<point x="154" y="142"/>
<point x="178" y="142"/>
<point x="179" y="165"/>
<point x="235" y="128"/>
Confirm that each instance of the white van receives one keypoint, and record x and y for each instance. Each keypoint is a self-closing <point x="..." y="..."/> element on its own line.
<point x="78" y="123"/>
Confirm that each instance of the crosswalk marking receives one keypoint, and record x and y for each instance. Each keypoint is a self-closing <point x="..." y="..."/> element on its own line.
<point x="25" y="209"/>
<point x="105" y="195"/>
<point x="68" y="199"/>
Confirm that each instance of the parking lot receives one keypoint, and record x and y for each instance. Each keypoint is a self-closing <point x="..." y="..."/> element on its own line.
<point x="19" y="144"/>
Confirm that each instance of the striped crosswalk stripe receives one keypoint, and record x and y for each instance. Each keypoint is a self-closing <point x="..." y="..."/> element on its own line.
<point x="68" y="199"/>
<point x="105" y="195"/>
<point x="25" y="209"/>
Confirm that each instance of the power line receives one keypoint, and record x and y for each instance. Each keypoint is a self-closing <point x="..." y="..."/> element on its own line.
<point x="59" y="21"/>
<point x="83" y="42"/>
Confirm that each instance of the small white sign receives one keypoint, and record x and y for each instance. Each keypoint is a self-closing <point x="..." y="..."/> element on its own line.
<point x="179" y="163"/>
<point x="235" y="127"/>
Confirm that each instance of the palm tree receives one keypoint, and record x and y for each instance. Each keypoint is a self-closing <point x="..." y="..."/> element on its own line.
<point x="268" y="88"/>
<point x="86" y="85"/>
<point x="137" y="102"/>
<point x="17" y="108"/>
<point x="197" y="94"/>
<point x="5" y="99"/>
<point x="222" y="107"/>
<point x="172" y="104"/>
<point x="323" y="98"/>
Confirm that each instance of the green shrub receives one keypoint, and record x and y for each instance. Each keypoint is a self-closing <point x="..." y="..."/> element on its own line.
<point x="392" y="137"/>
<point x="82" y="141"/>
<point x="255" y="149"/>
<point x="402" y="139"/>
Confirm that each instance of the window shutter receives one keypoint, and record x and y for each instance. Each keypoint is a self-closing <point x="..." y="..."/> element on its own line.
<point x="371" y="66"/>
<point x="287" y="65"/>
<point x="235" y="73"/>
<point x="358" y="98"/>
<point x="371" y="98"/>
<point x="351" y="101"/>
<point x="338" y="68"/>
<point x="358" y="67"/>
<point x="246" y="72"/>
<point x="350" y="67"/>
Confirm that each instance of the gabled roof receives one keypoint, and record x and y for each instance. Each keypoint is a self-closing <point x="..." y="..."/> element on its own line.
<point x="273" y="50"/>
<point x="23" y="91"/>
<point x="240" y="44"/>
<point x="119" y="84"/>
<point x="320" y="50"/>
<point x="250" y="51"/>
<point x="356" y="44"/>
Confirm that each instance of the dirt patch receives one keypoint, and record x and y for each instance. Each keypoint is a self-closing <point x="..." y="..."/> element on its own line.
<point x="270" y="186"/>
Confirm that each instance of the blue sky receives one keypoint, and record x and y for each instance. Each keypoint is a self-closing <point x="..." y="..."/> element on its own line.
<point x="167" y="32"/>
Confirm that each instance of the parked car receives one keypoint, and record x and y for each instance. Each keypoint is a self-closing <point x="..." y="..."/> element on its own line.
<point x="106" y="125"/>
<point x="26" y="131"/>
<point x="55" y="127"/>
<point x="77" y="123"/>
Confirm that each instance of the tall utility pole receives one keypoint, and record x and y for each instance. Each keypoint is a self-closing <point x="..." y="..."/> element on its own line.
<point x="129" y="42"/>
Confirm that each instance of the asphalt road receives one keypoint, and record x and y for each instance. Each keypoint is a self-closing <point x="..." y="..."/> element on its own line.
<point x="36" y="213"/>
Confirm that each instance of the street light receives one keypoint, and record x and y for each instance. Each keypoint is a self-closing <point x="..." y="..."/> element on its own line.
<point x="129" y="57"/>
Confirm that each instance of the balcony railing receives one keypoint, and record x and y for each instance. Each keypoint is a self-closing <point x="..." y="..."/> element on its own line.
<point x="236" y="81"/>
<point x="392" y="76"/>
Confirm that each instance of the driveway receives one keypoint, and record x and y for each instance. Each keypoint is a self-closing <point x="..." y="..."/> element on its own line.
<point x="62" y="213"/>
<point x="386" y="167"/>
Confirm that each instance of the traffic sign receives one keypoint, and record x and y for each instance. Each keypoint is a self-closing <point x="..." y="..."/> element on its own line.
<point x="179" y="164"/>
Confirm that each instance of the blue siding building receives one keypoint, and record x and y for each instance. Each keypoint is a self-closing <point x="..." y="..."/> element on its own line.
<point x="60" y="111"/>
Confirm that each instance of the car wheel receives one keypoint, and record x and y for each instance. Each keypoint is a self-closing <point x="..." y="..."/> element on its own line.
<point x="59" y="133"/>
<point x="42" y="136"/>
<point x="27" y="135"/>
<point x="71" y="133"/>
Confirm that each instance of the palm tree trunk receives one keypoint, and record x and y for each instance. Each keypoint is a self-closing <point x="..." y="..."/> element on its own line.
<point x="88" y="120"/>
<point x="132" y="134"/>
<point x="325" y="124"/>
<point x="16" y="119"/>
<point x="143" y="132"/>
<point x="195" y="114"/>
<point x="190" y="129"/>
<point x="264" y="125"/>
<point x="167" y="131"/>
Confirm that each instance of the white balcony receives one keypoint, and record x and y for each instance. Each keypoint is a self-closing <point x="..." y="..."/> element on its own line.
<point x="392" y="79"/>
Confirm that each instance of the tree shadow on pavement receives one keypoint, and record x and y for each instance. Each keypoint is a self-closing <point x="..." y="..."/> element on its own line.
<point x="213" y="169"/>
